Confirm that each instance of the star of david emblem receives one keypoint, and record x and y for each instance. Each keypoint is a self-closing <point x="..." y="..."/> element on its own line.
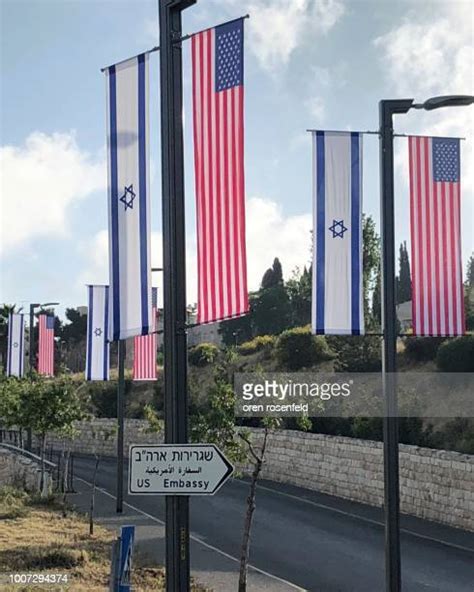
<point x="15" y="344"/>
<point x="98" y="332"/>
<point x="128" y="201"/>
<point x="338" y="229"/>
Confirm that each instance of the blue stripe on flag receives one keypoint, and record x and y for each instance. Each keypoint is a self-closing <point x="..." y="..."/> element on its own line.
<point x="114" y="202"/>
<point x="89" y="333"/>
<point x="10" y="342"/>
<point x="142" y="140"/>
<point x="320" y="232"/>
<point x="106" y="333"/>
<point x="355" y="232"/>
<point x="22" y="342"/>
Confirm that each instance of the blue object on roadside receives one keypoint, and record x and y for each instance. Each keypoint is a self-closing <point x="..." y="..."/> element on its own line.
<point x="127" y="539"/>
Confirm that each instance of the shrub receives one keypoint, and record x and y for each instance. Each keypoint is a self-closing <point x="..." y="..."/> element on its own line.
<point x="259" y="343"/>
<point x="422" y="349"/>
<point x="457" y="434"/>
<point x="456" y="355"/>
<point x="356" y="353"/>
<point x="203" y="354"/>
<point x="297" y="348"/>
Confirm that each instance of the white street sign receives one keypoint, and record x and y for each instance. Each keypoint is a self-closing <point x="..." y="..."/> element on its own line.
<point x="177" y="469"/>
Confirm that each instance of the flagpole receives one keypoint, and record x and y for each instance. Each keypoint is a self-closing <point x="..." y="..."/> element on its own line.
<point x="174" y="281"/>
<point x="122" y="350"/>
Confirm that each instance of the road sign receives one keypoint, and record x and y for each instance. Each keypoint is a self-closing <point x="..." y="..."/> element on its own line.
<point x="177" y="469"/>
<point x="127" y="538"/>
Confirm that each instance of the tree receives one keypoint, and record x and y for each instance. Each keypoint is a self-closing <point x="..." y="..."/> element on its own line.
<point x="273" y="276"/>
<point x="299" y="289"/>
<point x="403" y="280"/>
<point x="370" y="259"/>
<point x="271" y="311"/>
<point x="50" y="406"/>
<point x="257" y="458"/>
<point x="76" y="330"/>
<point x="5" y="310"/>
<point x="469" y="294"/>
<point x="235" y="331"/>
<point x="271" y="305"/>
<point x="377" y="299"/>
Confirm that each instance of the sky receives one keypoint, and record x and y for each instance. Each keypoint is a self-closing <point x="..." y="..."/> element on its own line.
<point x="309" y="64"/>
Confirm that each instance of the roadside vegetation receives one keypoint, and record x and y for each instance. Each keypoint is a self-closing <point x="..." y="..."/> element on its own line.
<point x="36" y="537"/>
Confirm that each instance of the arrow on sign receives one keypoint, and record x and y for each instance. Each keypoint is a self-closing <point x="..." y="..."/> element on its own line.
<point x="177" y="469"/>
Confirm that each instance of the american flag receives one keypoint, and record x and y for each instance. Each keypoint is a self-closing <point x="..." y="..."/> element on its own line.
<point x="46" y="345"/>
<point x="218" y="118"/>
<point x="144" y="359"/>
<point x="435" y="216"/>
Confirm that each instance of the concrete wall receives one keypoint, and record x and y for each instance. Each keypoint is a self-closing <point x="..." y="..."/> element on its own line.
<point x="434" y="484"/>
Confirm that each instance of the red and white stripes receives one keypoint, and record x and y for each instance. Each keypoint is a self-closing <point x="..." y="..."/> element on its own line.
<point x="219" y="179"/>
<point x="435" y="216"/>
<point x="144" y="359"/>
<point x="46" y="345"/>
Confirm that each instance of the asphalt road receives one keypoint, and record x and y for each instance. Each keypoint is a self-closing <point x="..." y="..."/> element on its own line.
<point x="318" y="542"/>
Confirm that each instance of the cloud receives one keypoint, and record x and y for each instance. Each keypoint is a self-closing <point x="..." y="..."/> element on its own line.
<point x="40" y="181"/>
<point x="425" y="56"/>
<point x="95" y="251"/>
<point x="289" y="237"/>
<point x="270" y="234"/>
<point x="278" y="27"/>
<point x="316" y="108"/>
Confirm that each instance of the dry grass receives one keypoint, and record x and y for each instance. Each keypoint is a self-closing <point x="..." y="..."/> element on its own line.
<point x="37" y="538"/>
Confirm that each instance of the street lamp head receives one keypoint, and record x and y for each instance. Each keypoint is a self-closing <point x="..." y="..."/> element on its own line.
<point x="445" y="101"/>
<point x="50" y="304"/>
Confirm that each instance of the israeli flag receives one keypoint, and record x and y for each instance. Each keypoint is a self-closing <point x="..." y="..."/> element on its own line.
<point x="16" y="345"/>
<point x="129" y="198"/>
<point x="98" y="346"/>
<point x="337" y="307"/>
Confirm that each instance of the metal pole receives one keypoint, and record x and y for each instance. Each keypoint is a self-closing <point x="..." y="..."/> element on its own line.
<point x="174" y="280"/>
<point x="122" y="350"/>
<point x="389" y="360"/>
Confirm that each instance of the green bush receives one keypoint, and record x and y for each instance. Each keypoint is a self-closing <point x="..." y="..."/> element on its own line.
<point x="356" y="353"/>
<point x="259" y="343"/>
<point x="203" y="354"/>
<point x="457" y="434"/>
<point x="422" y="349"/>
<point x="298" y="348"/>
<point x="456" y="355"/>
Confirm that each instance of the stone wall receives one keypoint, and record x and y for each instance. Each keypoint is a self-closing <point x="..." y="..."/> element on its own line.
<point x="99" y="436"/>
<point x="20" y="471"/>
<point x="434" y="484"/>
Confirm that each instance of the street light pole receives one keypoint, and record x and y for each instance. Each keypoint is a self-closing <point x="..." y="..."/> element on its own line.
<point x="389" y="361"/>
<point x="174" y="280"/>
<point x="388" y="108"/>
<point x="122" y="352"/>
<point x="31" y="355"/>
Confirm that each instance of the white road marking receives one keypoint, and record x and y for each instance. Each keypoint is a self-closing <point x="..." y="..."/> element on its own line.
<point x="198" y="540"/>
